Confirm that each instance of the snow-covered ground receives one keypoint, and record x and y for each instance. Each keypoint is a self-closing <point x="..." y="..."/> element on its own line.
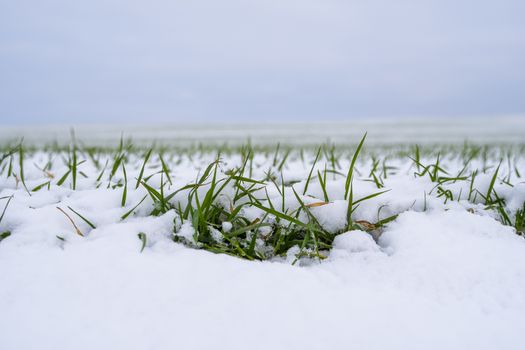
<point x="500" y="129"/>
<point x="448" y="272"/>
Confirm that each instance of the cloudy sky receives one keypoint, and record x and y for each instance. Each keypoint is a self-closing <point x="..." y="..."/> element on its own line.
<point x="65" y="61"/>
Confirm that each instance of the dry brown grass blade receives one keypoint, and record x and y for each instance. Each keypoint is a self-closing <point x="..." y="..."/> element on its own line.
<point x="47" y="173"/>
<point x="316" y="204"/>
<point x="366" y="225"/>
<point x="70" y="219"/>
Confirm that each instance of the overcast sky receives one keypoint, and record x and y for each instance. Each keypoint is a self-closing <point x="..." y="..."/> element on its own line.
<point x="212" y="60"/>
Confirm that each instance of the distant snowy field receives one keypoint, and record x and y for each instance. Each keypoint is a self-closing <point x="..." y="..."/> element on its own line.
<point x="381" y="131"/>
<point x="268" y="248"/>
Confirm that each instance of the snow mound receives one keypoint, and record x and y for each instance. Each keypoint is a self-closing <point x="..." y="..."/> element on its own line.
<point x="353" y="242"/>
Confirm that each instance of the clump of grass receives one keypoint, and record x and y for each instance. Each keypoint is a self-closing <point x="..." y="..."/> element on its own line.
<point x="271" y="235"/>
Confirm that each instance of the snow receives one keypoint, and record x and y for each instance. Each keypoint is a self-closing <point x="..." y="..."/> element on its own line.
<point x="438" y="280"/>
<point x="490" y="129"/>
<point x="353" y="242"/>
<point x="448" y="277"/>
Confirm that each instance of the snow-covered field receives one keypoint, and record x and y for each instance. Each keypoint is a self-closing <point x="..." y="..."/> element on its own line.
<point x="262" y="247"/>
<point x="502" y="129"/>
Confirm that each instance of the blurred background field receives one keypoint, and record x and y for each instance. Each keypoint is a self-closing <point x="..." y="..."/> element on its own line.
<point x="496" y="130"/>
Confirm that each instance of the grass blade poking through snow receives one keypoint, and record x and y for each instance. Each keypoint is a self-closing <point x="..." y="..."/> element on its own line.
<point x="322" y="182"/>
<point x="488" y="197"/>
<point x="5" y="234"/>
<point x="349" y="185"/>
<point x="133" y="209"/>
<point x="311" y="171"/>
<point x="350" y="175"/>
<point x="73" y="167"/>
<point x="165" y="169"/>
<point x="77" y="230"/>
<point x="141" y="174"/>
<point x="9" y="198"/>
<point x="143" y="239"/>
<point x="21" y="165"/>
<point x="125" y="190"/>
<point x="82" y="217"/>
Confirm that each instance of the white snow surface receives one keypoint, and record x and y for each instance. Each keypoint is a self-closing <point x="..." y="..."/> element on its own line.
<point x="437" y="280"/>
<point x="451" y="277"/>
